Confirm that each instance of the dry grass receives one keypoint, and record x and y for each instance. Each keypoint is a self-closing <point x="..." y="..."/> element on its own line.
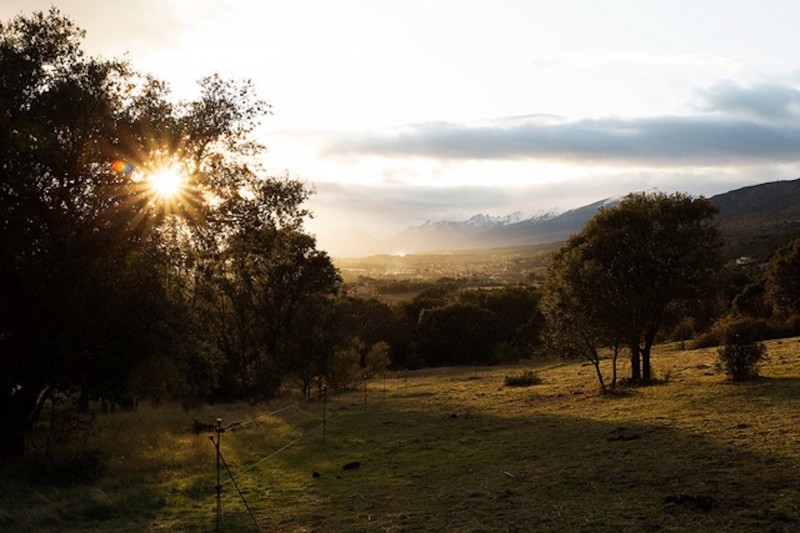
<point x="455" y="450"/>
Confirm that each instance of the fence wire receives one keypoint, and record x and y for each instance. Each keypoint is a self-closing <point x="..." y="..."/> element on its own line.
<point x="242" y="425"/>
<point x="232" y="478"/>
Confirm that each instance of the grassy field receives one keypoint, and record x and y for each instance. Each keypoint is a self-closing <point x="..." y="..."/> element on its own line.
<point x="456" y="450"/>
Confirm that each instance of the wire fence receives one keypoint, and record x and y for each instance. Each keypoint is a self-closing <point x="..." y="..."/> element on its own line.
<point x="313" y="415"/>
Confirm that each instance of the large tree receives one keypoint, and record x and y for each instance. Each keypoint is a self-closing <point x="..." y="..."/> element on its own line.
<point x="99" y="269"/>
<point x="635" y="268"/>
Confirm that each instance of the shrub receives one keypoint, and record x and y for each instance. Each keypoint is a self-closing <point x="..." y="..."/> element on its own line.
<point x="525" y="378"/>
<point x="740" y="362"/>
<point x="743" y="330"/>
<point x="743" y="350"/>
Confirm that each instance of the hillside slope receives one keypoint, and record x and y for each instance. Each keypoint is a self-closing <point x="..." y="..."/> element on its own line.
<point x="754" y="221"/>
<point x="757" y="219"/>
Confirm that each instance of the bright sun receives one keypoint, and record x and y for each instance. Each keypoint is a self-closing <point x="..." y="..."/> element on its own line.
<point x="167" y="182"/>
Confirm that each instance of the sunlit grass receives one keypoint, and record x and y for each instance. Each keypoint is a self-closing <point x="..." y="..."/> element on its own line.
<point x="455" y="449"/>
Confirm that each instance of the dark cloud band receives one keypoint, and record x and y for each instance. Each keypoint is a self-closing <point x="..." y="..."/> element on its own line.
<point x="662" y="141"/>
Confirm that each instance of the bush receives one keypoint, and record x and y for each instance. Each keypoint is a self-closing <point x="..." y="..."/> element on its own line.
<point x="740" y="362"/>
<point x="522" y="379"/>
<point x="743" y="330"/>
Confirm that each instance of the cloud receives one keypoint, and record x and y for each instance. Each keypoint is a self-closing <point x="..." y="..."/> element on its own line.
<point x="764" y="101"/>
<point x="406" y="203"/>
<point x="737" y="125"/>
<point x="661" y="141"/>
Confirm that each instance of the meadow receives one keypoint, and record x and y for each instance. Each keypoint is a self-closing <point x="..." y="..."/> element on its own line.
<point x="454" y="449"/>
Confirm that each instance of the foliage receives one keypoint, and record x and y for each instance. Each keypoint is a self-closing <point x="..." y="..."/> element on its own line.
<point x="254" y="300"/>
<point x="743" y="352"/>
<point x="525" y="378"/>
<point x="733" y="329"/>
<point x="519" y="320"/>
<point x="430" y="298"/>
<point x="101" y="279"/>
<point x="635" y="268"/>
<point x="374" y="322"/>
<point x="506" y="326"/>
<point x="344" y="371"/>
<point x="752" y="301"/>
<point x="457" y="334"/>
<point x="783" y="280"/>
<point x="740" y="362"/>
<point x="578" y="305"/>
<point x="377" y="360"/>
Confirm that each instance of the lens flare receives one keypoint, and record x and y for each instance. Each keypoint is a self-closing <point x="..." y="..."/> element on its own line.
<point x="121" y="167"/>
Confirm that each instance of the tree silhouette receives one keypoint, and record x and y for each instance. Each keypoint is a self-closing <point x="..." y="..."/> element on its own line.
<point x="99" y="275"/>
<point x="635" y="268"/>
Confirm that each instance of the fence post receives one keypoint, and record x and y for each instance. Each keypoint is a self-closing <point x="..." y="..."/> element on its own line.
<point x="218" y="429"/>
<point x="324" y="412"/>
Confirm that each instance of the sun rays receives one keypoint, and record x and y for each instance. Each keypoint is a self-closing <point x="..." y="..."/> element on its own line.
<point x="168" y="182"/>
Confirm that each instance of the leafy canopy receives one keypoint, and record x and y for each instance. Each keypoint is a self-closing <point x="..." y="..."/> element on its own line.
<point x="100" y="273"/>
<point x="634" y="268"/>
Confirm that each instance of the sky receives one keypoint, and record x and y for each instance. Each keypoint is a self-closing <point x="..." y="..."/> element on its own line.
<point x="398" y="112"/>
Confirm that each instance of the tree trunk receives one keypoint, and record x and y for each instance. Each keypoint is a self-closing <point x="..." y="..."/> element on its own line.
<point x="636" y="372"/>
<point x="594" y="357"/>
<point x="649" y="338"/>
<point x="19" y="409"/>
<point x="646" y="365"/>
<point x="596" y="364"/>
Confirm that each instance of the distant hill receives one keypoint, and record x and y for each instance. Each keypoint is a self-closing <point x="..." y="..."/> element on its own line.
<point x="472" y="233"/>
<point x="542" y="231"/>
<point x="484" y="231"/>
<point x="754" y="221"/>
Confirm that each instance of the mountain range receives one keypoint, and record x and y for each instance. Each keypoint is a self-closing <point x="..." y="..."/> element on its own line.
<point x="754" y="220"/>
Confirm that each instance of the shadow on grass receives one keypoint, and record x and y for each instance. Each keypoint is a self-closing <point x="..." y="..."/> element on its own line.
<point x="777" y="388"/>
<point x="439" y="472"/>
<point x="432" y="462"/>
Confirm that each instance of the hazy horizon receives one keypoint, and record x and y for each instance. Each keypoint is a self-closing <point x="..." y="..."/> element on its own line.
<point x="398" y="112"/>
